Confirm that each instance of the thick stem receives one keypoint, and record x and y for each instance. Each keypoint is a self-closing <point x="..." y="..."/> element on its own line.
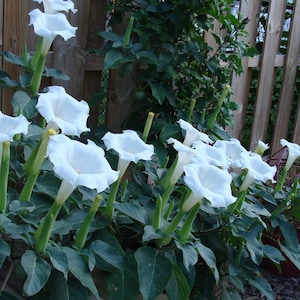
<point x="281" y="181"/>
<point x="85" y="226"/>
<point x="5" y="159"/>
<point x="37" y="75"/>
<point x="44" y="231"/>
<point x="109" y="208"/>
<point x="28" y="187"/>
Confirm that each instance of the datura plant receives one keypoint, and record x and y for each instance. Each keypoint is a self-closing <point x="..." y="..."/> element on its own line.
<point x="119" y="217"/>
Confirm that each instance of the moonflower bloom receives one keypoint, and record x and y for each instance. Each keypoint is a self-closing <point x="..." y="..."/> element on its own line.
<point x="261" y="147"/>
<point x="192" y="134"/>
<point x="9" y="126"/>
<point x="210" y="182"/>
<point x="293" y="152"/>
<point x="257" y="169"/>
<point x="63" y="112"/>
<point x="130" y="147"/>
<point x="79" y="164"/>
<point x="233" y="150"/>
<point x="212" y="155"/>
<point x="49" y="26"/>
<point x="55" y="6"/>
<point x="185" y="154"/>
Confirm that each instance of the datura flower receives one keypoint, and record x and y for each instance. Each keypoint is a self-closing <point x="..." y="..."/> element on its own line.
<point x="293" y="152"/>
<point x="261" y="147"/>
<point x="192" y="134"/>
<point x="209" y="182"/>
<point x="233" y="150"/>
<point x="55" y="6"/>
<point x="63" y="112"/>
<point x="49" y="26"/>
<point x="10" y="126"/>
<point x="257" y="169"/>
<point x="80" y="164"/>
<point x="130" y="147"/>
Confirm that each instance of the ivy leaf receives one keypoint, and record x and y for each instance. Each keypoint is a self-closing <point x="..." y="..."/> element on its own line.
<point x="37" y="270"/>
<point x="4" y="251"/>
<point x="80" y="270"/>
<point x="154" y="271"/>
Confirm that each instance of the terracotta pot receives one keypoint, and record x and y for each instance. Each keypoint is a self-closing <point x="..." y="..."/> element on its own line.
<point x="287" y="267"/>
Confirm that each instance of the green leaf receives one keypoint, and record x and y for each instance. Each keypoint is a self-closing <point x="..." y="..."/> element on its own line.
<point x="57" y="74"/>
<point x="114" y="58"/>
<point x="108" y="253"/>
<point x="293" y="253"/>
<point x="209" y="257"/>
<point x="263" y="286"/>
<point x="189" y="253"/>
<point x="123" y="284"/>
<point x="37" y="270"/>
<point x="230" y="294"/>
<point x="178" y="287"/>
<point x="289" y="232"/>
<point x="80" y="270"/>
<point x="154" y="271"/>
<point x="273" y="253"/>
<point x="22" y="103"/>
<point x="134" y="211"/>
<point x="169" y="130"/>
<point x="158" y="92"/>
<point x="7" y="82"/>
<point x="59" y="260"/>
<point x="4" y="251"/>
<point x="110" y="36"/>
<point x="12" y="58"/>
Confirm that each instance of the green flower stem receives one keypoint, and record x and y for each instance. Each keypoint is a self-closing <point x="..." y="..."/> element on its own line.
<point x="191" y="109"/>
<point x="165" y="182"/>
<point x="172" y="227"/>
<point x="168" y="210"/>
<point x="37" y="52"/>
<point x="212" y="119"/>
<point x="128" y="31"/>
<point x="237" y="205"/>
<point x="282" y="205"/>
<point x="28" y="187"/>
<point x="148" y="125"/>
<point x="281" y="181"/>
<point x="109" y="209"/>
<point x="37" y="75"/>
<point x="156" y="218"/>
<point x="85" y="226"/>
<point x="5" y="159"/>
<point x="166" y="195"/>
<point x="43" y="232"/>
<point x="188" y="223"/>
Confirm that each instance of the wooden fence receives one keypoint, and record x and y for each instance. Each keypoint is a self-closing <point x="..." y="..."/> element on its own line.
<point x="85" y="69"/>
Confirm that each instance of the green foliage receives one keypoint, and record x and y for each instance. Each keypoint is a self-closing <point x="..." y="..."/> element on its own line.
<point x="170" y="59"/>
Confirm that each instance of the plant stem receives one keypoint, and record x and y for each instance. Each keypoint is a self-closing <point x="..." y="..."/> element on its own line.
<point x="281" y="181"/>
<point x="5" y="159"/>
<point x="28" y="187"/>
<point x="157" y="215"/>
<point x="191" y="109"/>
<point x="37" y="75"/>
<point x="85" y="226"/>
<point x="44" y="231"/>
<point x="109" y="208"/>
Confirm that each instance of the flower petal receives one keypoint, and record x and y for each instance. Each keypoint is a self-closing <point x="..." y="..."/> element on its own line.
<point x="65" y="111"/>
<point x="54" y="6"/>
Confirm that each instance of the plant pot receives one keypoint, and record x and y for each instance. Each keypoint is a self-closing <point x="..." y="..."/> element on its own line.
<point x="288" y="269"/>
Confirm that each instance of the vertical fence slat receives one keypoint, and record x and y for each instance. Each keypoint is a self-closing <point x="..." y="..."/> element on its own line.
<point x="266" y="77"/>
<point x="241" y="83"/>
<point x="296" y="134"/>
<point x="288" y="83"/>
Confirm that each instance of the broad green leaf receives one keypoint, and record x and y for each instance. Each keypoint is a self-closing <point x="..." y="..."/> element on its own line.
<point x="189" y="253"/>
<point x="134" y="211"/>
<point x="22" y="103"/>
<point x="158" y="92"/>
<point x="108" y="253"/>
<point x="57" y="74"/>
<point x="209" y="257"/>
<point x="169" y="130"/>
<point x="178" y="287"/>
<point x="4" y="251"/>
<point x="123" y="284"/>
<point x="78" y="267"/>
<point x="263" y="286"/>
<point x="230" y="294"/>
<point x="290" y="234"/>
<point x="110" y="36"/>
<point x="273" y="253"/>
<point x="59" y="260"/>
<point x="154" y="271"/>
<point x="293" y="253"/>
<point x="6" y="82"/>
<point x="114" y="58"/>
<point x="37" y="270"/>
<point x="12" y="58"/>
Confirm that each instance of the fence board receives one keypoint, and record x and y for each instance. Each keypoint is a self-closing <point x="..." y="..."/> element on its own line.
<point x="241" y="83"/>
<point x="288" y="83"/>
<point x="266" y="79"/>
